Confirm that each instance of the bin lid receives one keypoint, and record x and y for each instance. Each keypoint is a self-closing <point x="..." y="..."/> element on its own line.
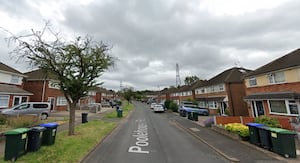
<point x="254" y="124"/>
<point x="16" y="131"/>
<point x="51" y="124"/>
<point x="37" y="128"/>
<point x="281" y="130"/>
<point x="263" y="127"/>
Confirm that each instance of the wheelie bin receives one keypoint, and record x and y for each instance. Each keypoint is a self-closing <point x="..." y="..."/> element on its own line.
<point x="49" y="134"/>
<point x="253" y="133"/>
<point x="264" y="137"/>
<point x="35" y="136"/>
<point x="15" y="143"/>
<point x="84" y="118"/>
<point x="120" y="113"/>
<point x="283" y="142"/>
<point x="195" y="116"/>
<point x="189" y="115"/>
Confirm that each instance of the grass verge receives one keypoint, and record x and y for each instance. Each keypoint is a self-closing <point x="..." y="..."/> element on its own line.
<point x="126" y="108"/>
<point x="71" y="148"/>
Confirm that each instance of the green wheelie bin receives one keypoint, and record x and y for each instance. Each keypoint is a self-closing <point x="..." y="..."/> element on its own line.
<point x="253" y="133"/>
<point x="120" y="113"/>
<point x="49" y="134"/>
<point x="15" y="143"/>
<point x="283" y="142"/>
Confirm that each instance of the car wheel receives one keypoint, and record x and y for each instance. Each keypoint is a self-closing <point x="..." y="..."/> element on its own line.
<point x="44" y="116"/>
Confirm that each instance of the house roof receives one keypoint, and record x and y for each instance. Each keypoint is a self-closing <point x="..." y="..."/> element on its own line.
<point x="13" y="90"/>
<point x="38" y="74"/>
<point x="233" y="75"/>
<point x="273" y="95"/>
<point x="289" y="60"/>
<point x="4" y="67"/>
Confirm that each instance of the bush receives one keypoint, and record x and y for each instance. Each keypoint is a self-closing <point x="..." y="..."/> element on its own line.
<point x="167" y="104"/>
<point x="22" y="121"/>
<point x="268" y="121"/>
<point x="240" y="129"/>
<point x="173" y="106"/>
<point x="2" y="120"/>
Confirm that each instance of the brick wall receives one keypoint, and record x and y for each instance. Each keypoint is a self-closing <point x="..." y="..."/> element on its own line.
<point x="285" y="87"/>
<point x="236" y="92"/>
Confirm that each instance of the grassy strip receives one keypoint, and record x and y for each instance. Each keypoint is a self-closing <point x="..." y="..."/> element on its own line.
<point x="71" y="148"/>
<point x="126" y="108"/>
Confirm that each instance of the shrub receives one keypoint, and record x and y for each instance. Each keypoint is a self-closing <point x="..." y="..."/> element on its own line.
<point x="173" y="106"/>
<point x="167" y="104"/>
<point x="2" y="120"/>
<point x="240" y="129"/>
<point x="268" y="121"/>
<point x="22" y="121"/>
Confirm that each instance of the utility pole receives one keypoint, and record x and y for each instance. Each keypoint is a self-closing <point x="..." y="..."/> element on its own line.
<point x="178" y="81"/>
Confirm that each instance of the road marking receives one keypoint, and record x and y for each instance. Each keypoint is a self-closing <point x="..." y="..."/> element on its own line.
<point x="141" y="135"/>
<point x="194" y="129"/>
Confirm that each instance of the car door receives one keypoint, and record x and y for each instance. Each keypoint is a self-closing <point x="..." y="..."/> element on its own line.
<point x="21" y="109"/>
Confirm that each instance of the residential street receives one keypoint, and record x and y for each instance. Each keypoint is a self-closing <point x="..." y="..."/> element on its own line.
<point x="151" y="137"/>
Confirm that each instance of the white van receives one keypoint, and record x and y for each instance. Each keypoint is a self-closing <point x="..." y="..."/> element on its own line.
<point x="42" y="109"/>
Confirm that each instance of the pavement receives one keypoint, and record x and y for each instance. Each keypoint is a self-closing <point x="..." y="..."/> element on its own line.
<point x="231" y="149"/>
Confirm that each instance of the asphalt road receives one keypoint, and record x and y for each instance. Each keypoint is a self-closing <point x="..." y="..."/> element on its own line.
<point x="149" y="137"/>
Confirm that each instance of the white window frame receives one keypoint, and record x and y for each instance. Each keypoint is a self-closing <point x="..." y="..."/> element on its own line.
<point x="252" y="82"/>
<point x="3" y="97"/>
<point x="14" y="79"/>
<point x="287" y="108"/>
<point x="273" y="78"/>
<point x="212" y="104"/>
<point x="61" y="101"/>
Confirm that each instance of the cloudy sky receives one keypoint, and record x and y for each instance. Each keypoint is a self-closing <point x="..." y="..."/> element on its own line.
<point x="205" y="37"/>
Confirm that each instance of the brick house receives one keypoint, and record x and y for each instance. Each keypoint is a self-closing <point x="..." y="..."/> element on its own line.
<point x="11" y="87"/>
<point x="45" y="89"/>
<point x="224" y="91"/>
<point x="274" y="89"/>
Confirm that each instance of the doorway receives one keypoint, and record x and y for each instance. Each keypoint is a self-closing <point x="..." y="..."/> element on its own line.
<point x="258" y="108"/>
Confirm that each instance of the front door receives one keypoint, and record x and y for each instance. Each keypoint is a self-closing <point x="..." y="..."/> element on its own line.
<point x="51" y="100"/>
<point x="258" y="108"/>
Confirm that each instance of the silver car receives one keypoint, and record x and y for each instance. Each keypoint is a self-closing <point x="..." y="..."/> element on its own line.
<point x="41" y="109"/>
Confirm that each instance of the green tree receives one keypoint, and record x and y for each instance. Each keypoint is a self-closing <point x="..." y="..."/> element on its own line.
<point x="75" y="64"/>
<point x="128" y="94"/>
<point x="190" y="80"/>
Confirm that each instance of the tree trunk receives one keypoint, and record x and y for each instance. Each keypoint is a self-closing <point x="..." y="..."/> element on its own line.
<point x="72" y="119"/>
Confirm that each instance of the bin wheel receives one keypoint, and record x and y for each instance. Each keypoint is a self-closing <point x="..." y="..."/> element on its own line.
<point x="13" y="159"/>
<point x="44" y="116"/>
<point x="286" y="155"/>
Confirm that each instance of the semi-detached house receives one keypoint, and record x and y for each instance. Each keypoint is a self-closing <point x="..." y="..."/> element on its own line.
<point x="274" y="89"/>
<point x="11" y="87"/>
<point x="224" y="91"/>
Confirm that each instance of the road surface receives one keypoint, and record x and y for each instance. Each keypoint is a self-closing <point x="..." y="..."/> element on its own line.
<point x="147" y="137"/>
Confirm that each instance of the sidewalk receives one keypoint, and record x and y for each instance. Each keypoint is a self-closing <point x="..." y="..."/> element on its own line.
<point x="233" y="150"/>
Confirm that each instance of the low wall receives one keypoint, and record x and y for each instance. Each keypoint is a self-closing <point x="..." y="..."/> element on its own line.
<point x="284" y="122"/>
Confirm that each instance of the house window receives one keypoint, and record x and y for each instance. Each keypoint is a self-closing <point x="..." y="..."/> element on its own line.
<point x="202" y="104"/>
<point x="14" y="79"/>
<point x="61" y="101"/>
<point x="212" y="104"/>
<point x="277" y="77"/>
<point x="221" y="87"/>
<point x="4" y="101"/>
<point x="212" y="89"/>
<point x="284" y="107"/>
<point x="293" y="107"/>
<point x="53" y="84"/>
<point x="252" y="82"/>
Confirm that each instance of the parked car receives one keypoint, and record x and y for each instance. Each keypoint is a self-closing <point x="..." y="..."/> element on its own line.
<point x="42" y="109"/>
<point x="152" y="105"/>
<point x="94" y="107"/>
<point x="158" y="108"/>
<point x="197" y="109"/>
